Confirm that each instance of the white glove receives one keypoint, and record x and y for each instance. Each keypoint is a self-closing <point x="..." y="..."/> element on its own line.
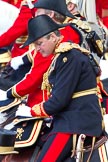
<point x="104" y="69"/>
<point x="23" y="110"/>
<point x="16" y="62"/>
<point x="3" y="95"/>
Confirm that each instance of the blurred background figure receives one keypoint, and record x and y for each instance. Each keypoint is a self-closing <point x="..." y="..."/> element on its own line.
<point x="8" y="14"/>
<point x="102" y="11"/>
<point x="16" y="35"/>
<point x="85" y="10"/>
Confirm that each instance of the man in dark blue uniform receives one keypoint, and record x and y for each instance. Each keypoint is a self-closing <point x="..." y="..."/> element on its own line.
<point x="72" y="90"/>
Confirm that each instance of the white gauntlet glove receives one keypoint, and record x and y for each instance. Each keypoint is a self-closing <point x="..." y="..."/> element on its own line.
<point x="3" y="95"/>
<point x="16" y="62"/>
<point x="104" y="67"/>
<point x="23" y="110"/>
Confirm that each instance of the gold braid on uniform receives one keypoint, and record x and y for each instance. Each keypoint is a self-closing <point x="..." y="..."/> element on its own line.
<point x="67" y="46"/>
<point x="63" y="47"/>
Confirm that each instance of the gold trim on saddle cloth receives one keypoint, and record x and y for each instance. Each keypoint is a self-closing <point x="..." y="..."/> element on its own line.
<point x="7" y="150"/>
<point x="33" y="136"/>
<point x="14" y="103"/>
<point x="85" y="93"/>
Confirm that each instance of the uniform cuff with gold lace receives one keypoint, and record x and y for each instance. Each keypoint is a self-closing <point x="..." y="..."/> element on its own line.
<point x="38" y="111"/>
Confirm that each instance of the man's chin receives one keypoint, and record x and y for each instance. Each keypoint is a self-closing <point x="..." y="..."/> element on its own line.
<point x="45" y="54"/>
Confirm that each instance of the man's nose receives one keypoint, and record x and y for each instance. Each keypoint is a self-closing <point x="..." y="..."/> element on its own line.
<point x="38" y="48"/>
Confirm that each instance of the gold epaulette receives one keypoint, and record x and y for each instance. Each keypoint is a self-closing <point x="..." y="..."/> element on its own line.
<point x="67" y="46"/>
<point x="22" y="39"/>
<point x="84" y="25"/>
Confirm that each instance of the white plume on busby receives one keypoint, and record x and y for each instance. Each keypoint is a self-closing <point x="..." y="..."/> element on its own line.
<point x="8" y="14"/>
<point x="73" y="1"/>
<point x="87" y="9"/>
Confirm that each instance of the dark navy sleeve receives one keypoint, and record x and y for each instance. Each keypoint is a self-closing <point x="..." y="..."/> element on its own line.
<point x="25" y="59"/>
<point x="67" y="78"/>
<point x="9" y="93"/>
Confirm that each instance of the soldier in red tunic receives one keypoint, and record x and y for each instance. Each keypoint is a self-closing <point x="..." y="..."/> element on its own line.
<point x="32" y="85"/>
<point x="17" y="35"/>
<point x="102" y="11"/>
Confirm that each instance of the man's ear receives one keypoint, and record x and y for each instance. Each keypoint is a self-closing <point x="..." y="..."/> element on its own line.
<point x="51" y="14"/>
<point x="53" y="37"/>
<point x="71" y="6"/>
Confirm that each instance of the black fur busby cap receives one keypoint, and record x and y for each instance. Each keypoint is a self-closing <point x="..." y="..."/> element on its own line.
<point x="7" y="141"/>
<point x="39" y="27"/>
<point x="55" y="5"/>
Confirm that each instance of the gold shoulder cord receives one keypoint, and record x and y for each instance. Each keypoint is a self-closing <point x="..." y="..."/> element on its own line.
<point x="63" y="47"/>
<point x="45" y="84"/>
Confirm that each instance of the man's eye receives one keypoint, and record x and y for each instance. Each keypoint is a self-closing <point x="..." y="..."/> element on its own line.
<point x="39" y="44"/>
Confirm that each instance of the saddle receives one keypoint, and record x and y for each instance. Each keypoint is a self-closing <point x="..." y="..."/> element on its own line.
<point x="28" y="130"/>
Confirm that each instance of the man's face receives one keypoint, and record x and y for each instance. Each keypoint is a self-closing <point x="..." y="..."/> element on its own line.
<point x="71" y="6"/>
<point x="45" y="45"/>
<point x="39" y="11"/>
